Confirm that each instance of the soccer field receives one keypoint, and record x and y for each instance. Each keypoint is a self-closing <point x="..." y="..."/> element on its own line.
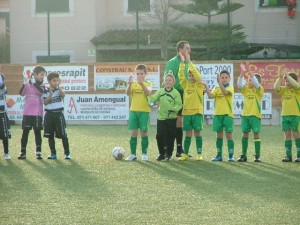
<point x="93" y="188"/>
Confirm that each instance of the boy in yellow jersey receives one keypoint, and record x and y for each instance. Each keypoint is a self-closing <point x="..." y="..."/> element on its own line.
<point x="192" y="106"/>
<point x="223" y="114"/>
<point x="290" y="112"/>
<point x="139" y="111"/>
<point x="251" y="116"/>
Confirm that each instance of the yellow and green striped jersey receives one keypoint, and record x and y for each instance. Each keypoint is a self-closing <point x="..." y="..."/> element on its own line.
<point x="139" y="101"/>
<point x="252" y="100"/>
<point x="290" y="100"/>
<point x="223" y="103"/>
<point x="193" y="92"/>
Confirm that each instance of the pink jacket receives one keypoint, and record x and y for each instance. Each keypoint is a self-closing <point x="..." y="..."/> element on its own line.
<point x="33" y="105"/>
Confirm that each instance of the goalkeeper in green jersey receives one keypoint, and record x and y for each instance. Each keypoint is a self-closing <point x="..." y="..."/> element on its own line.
<point x="170" y="103"/>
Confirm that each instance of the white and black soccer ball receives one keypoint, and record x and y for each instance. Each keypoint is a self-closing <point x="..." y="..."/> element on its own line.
<point x="118" y="153"/>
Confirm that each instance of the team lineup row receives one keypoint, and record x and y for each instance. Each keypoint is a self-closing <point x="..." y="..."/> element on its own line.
<point x="181" y="109"/>
<point x="180" y="103"/>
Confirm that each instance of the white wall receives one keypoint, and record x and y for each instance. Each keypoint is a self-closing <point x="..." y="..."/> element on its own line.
<point x="69" y="32"/>
<point x="267" y="25"/>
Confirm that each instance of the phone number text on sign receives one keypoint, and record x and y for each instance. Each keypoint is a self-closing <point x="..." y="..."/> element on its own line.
<point x="97" y="107"/>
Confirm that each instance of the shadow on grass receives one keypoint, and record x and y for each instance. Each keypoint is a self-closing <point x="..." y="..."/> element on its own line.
<point x="212" y="179"/>
<point x="65" y="176"/>
<point x="13" y="175"/>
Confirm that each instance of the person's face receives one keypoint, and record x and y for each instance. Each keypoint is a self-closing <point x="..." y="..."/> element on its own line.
<point x="169" y="82"/>
<point x="40" y="76"/>
<point x="54" y="83"/>
<point x="225" y="78"/>
<point x="191" y="77"/>
<point x="287" y="83"/>
<point x="250" y="83"/>
<point x="140" y="75"/>
<point x="185" y="50"/>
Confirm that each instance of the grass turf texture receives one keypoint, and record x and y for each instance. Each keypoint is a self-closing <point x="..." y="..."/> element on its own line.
<point x="94" y="188"/>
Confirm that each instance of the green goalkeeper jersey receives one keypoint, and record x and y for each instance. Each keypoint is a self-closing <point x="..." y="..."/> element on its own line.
<point x="169" y="103"/>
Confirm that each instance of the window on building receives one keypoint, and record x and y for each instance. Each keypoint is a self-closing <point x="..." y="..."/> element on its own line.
<point x="272" y="3"/>
<point x="43" y="6"/>
<point x="141" y="5"/>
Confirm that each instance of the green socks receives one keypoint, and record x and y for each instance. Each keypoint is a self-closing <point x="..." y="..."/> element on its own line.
<point x="257" y="147"/>
<point x="133" y="143"/>
<point x="298" y="147"/>
<point x="244" y="146"/>
<point x="288" y="148"/>
<point x="145" y="143"/>
<point x="219" y="145"/>
<point x="257" y="144"/>
<point x="199" y="144"/>
<point x="230" y="145"/>
<point x="187" y="144"/>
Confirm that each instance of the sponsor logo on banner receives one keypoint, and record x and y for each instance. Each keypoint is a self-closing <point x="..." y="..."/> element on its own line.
<point x="209" y="73"/>
<point x="270" y="71"/>
<point x="115" y="77"/>
<point x="80" y="107"/>
<point x="97" y="107"/>
<point x="238" y="104"/>
<point x="73" y="78"/>
<point x="15" y="106"/>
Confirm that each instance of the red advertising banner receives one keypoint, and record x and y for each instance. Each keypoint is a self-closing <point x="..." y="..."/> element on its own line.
<point x="269" y="71"/>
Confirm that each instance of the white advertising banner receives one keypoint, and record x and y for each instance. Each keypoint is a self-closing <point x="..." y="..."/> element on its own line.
<point x="115" y="77"/>
<point x="97" y="107"/>
<point x="238" y="103"/>
<point x="80" y="107"/>
<point x="73" y="78"/>
<point x="209" y="73"/>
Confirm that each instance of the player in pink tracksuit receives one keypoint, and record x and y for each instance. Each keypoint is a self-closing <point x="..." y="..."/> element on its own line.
<point x="33" y="110"/>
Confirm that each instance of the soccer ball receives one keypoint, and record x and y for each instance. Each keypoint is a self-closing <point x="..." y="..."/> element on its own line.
<point x="118" y="153"/>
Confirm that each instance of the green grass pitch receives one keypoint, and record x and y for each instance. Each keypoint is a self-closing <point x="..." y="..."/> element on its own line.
<point x="93" y="188"/>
